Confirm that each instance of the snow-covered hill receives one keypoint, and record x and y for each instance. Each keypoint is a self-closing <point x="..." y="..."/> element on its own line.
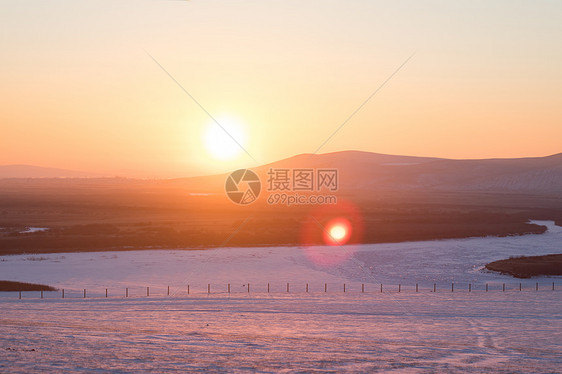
<point x="361" y="172"/>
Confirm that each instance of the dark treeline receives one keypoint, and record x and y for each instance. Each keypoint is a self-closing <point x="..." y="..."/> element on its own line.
<point x="94" y="215"/>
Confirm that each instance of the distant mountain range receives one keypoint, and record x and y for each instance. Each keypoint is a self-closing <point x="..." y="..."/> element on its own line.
<point x="365" y="171"/>
<point x="372" y="171"/>
<point x="29" y="171"/>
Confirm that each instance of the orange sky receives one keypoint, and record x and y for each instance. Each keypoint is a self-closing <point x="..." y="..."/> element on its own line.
<point x="79" y="92"/>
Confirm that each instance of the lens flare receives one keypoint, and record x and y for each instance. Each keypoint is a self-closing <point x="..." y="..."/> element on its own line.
<point x="337" y="232"/>
<point x="330" y="234"/>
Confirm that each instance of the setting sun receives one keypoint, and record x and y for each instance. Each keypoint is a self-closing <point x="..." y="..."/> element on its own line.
<point x="224" y="143"/>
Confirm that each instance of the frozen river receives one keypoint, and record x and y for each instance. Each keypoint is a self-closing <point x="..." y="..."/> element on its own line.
<point x="284" y="331"/>
<point x="442" y="262"/>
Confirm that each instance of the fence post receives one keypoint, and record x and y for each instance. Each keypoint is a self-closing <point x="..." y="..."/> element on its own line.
<point x="399" y="287"/>
<point x="537" y="286"/>
<point x="228" y="288"/>
<point x="127" y="292"/>
<point x="503" y="287"/>
<point x="208" y="288"/>
<point x="381" y="287"/>
<point x="84" y="293"/>
<point x="363" y="287"/>
<point x="63" y="293"/>
<point x="287" y="286"/>
<point x="325" y="287"/>
<point x="268" y="288"/>
<point x="434" y="287"/>
<point x="147" y="291"/>
<point x="307" y="288"/>
<point x="469" y="287"/>
<point x="486" y="287"/>
<point x="248" y="287"/>
<point x="344" y="287"/>
<point x="416" y="287"/>
<point x="552" y="286"/>
<point x="20" y="295"/>
<point x="106" y="293"/>
<point x="41" y="294"/>
<point x="168" y="290"/>
<point x="188" y="289"/>
<point x="452" y="287"/>
<point x="519" y="286"/>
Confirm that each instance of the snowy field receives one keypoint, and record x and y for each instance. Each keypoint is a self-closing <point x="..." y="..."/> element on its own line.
<point x="487" y="332"/>
<point x="284" y="331"/>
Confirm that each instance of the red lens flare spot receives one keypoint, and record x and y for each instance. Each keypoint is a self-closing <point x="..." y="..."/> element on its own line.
<point x="331" y="233"/>
<point x="337" y="232"/>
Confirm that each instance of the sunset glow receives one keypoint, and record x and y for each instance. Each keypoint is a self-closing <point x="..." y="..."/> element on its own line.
<point x="485" y="85"/>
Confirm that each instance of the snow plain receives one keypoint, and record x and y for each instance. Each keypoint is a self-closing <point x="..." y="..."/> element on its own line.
<point x="284" y="331"/>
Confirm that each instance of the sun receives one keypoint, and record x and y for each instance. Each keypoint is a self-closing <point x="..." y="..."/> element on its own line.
<point x="224" y="145"/>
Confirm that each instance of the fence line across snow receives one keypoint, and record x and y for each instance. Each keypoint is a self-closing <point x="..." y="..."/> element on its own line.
<point x="290" y="288"/>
